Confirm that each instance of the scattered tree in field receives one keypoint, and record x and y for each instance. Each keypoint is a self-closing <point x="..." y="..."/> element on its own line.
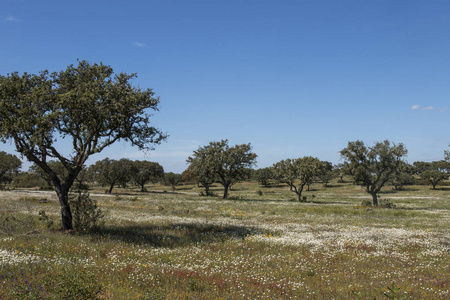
<point x="433" y="177"/>
<point x="145" y="172"/>
<point x="372" y="167"/>
<point x="264" y="175"/>
<point x="228" y="164"/>
<point x="433" y="172"/>
<point x="404" y="176"/>
<point x="9" y="165"/>
<point x="297" y="172"/>
<point x="199" y="173"/>
<point x="86" y="105"/>
<point x="172" y="179"/>
<point x="112" y="172"/>
<point x="340" y="171"/>
<point x="325" y="172"/>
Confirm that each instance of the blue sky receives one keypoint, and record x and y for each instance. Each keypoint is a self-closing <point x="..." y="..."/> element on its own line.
<point x="293" y="78"/>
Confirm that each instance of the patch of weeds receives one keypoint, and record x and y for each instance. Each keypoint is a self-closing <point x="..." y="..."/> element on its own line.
<point x="386" y="204"/>
<point x="366" y="203"/>
<point x="195" y="286"/>
<point x="24" y="286"/>
<point x="45" y="219"/>
<point x="79" y="285"/>
<point x="259" y="193"/>
<point x="16" y="224"/>
<point x="393" y="292"/>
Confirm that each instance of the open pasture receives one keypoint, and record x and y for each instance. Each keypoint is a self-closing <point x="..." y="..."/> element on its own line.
<point x="259" y="244"/>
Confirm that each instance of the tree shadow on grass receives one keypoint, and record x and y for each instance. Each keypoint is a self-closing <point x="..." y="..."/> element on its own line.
<point x="176" y="235"/>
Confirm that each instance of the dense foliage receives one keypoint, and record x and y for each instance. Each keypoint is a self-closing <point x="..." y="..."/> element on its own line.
<point x="87" y="105"/>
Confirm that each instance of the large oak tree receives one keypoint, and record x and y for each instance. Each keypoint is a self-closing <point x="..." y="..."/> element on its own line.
<point x="372" y="167"/>
<point x="88" y="106"/>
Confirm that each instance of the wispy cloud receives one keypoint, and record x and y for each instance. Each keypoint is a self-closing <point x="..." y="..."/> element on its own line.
<point x="417" y="107"/>
<point x="138" y="44"/>
<point x="11" y="19"/>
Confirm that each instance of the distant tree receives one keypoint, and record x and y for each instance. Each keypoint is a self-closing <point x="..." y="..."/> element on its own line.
<point x="201" y="170"/>
<point x="433" y="177"/>
<point x="297" y="173"/>
<point x="372" y="167"/>
<point x="228" y="164"/>
<point x="264" y="175"/>
<point x="145" y="172"/>
<point x="420" y="166"/>
<point x="340" y="171"/>
<point x="112" y="172"/>
<point x="433" y="172"/>
<point x="9" y="165"/>
<point x="404" y="176"/>
<point x="172" y="179"/>
<point x="56" y="166"/>
<point x="88" y="105"/>
<point x="325" y="172"/>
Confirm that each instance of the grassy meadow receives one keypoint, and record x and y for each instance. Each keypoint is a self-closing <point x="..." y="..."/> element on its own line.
<point x="259" y="244"/>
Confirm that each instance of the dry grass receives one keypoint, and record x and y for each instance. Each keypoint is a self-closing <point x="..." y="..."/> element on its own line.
<point x="258" y="245"/>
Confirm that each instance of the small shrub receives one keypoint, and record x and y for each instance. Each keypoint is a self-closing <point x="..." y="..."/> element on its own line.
<point x="386" y="204"/>
<point x="366" y="203"/>
<point x="259" y="192"/>
<point x="86" y="213"/>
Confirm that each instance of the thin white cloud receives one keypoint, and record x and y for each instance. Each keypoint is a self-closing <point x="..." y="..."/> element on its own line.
<point x="443" y="109"/>
<point x="417" y="107"/>
<point x="139" y="44"/>
<point x="11" y="19"/>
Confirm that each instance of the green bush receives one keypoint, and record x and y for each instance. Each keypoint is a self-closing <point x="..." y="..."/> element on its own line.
<point x="86" y="213"/>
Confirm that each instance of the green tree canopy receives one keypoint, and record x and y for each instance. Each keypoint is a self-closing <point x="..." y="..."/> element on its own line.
<point x="172" y="179"/>
<point x="88" y="106"/>
<point x="9" y="164"/>
<point x="228" y="164"/>
<point x="264" y="175"/>
<point x="433" y="172"/>
<point x="372" y="167"/>
<point x="112" y="172"/>
<point x="297" y="172"/>
<point x="145" y="172"/>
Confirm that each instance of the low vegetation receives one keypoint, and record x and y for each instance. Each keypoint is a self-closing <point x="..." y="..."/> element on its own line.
<point x="260" y="243"/>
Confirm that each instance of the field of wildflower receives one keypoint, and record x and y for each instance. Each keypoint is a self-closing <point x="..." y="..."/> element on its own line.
<point x="259" y="244"/>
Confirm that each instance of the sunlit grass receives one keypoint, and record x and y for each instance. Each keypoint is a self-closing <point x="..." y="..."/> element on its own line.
<point x="258" y="245"/>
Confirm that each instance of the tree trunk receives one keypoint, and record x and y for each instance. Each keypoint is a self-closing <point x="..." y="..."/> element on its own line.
<point x="374" y="198"/>
<point x="111" y="188"/>
<point x="206" y="189"/>
<point x="66" y="214"/>
<point x="225" y="191"/>
<point x="299" y="191"/>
